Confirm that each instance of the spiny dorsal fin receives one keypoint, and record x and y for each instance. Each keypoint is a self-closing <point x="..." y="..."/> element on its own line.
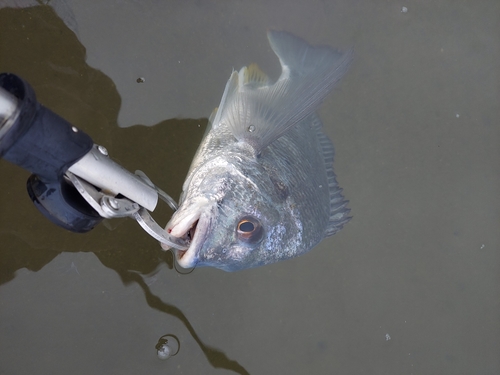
<point x="339" y="213"/>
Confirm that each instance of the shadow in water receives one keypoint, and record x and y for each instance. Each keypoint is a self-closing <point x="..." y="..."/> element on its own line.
<point x="217" y="358"/>
<point x="37" y="45"/>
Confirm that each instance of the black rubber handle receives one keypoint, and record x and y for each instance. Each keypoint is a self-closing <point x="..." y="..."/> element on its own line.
<point x="46" y="145"/>
<point x="40" y="141"/>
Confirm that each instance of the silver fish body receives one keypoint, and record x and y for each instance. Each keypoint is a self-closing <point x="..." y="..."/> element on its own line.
<point x="261" y="187"/>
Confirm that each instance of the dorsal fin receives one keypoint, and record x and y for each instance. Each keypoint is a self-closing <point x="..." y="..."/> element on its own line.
<point x="339" y="213"/>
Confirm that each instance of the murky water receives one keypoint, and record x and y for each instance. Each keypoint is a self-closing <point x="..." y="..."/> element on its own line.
<point x="410" y="286"/>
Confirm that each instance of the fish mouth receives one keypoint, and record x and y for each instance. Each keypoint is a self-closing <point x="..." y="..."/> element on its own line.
<point x="192" y="227"/>
<point x="188" y="237"/>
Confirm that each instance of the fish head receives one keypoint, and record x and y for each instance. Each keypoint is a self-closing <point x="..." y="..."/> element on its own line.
<point x="234" y="217"/>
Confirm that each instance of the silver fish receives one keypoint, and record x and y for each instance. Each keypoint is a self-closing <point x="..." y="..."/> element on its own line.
<point x="261" y="187"/>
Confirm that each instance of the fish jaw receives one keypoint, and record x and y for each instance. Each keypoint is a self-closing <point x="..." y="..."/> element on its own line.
<point x="192" y="224"/>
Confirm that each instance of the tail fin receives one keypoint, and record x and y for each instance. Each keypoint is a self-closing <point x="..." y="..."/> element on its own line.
<point x="259" y="114"/>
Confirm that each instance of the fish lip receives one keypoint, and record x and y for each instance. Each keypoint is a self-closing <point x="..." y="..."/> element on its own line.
<point x="198" y="225"/>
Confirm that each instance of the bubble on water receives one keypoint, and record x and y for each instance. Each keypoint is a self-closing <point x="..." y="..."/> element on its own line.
<point x="404" y="10"/>
<point x="164" y="352"/>
<point x="167" y="346"/>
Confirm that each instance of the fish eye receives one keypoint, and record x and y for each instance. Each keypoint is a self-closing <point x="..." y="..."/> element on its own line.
<point x="249" y="230"/>
<point x="246" y="226"/>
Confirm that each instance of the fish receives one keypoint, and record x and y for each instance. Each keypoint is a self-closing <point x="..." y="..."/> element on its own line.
<point x="261" y="187"/>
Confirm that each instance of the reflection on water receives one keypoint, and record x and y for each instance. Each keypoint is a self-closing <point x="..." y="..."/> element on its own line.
<point x="215" y="356"/>
<point x="88" y="99"/>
